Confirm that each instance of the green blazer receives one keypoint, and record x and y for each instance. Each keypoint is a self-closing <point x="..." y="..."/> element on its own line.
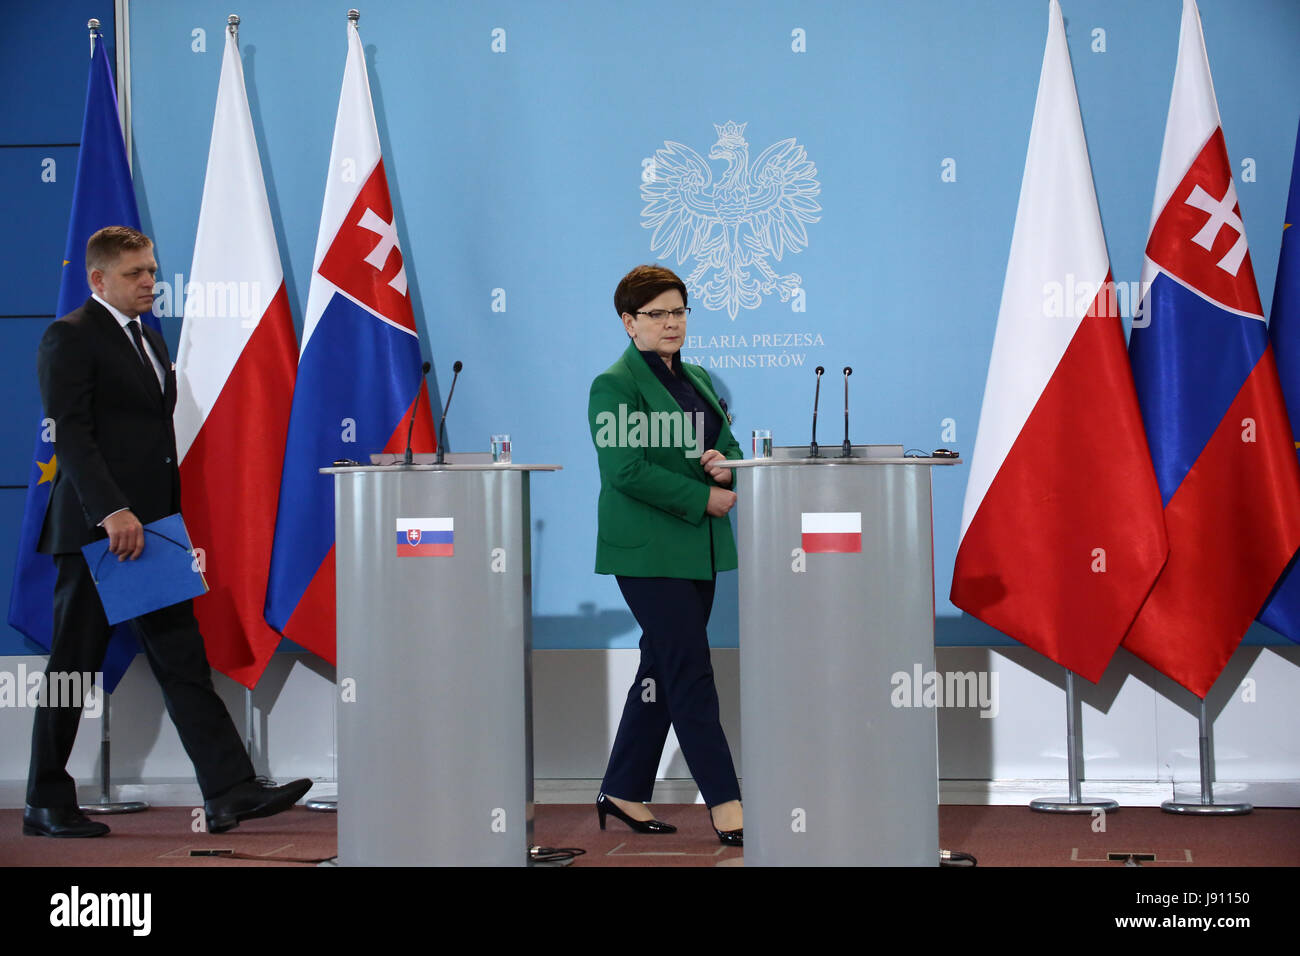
<point x="651" y="517"/>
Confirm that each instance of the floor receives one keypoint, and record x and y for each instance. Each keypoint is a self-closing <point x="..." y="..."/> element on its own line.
<point x="998" y="836"/>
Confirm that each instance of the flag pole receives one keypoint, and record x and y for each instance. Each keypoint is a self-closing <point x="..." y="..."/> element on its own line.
<point x="1074" y="803"/>
<point x="248" y="721"/>
<point x="105" y="805"/>
<point x="232" y="27"/>
<point x="1207" y="806"/>
<point x="331" y="804"/>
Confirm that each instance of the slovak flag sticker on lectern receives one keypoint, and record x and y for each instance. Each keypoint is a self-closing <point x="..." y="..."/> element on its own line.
<point x="831" y="532"/>
<point x="425" y="538"/>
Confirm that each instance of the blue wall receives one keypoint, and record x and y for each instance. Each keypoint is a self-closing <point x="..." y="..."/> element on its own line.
<point x="43" y="66"/>
<point x="521" y="171"/>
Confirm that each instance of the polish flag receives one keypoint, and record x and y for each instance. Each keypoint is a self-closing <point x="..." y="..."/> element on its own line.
<point x="234" y="378"/>
<point x="1062" y="534"/>
<point x="831" y="532"/>
<point x="1221" y="439"/>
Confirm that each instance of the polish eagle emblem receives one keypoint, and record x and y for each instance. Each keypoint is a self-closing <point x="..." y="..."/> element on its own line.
<point x="731" y="228"/>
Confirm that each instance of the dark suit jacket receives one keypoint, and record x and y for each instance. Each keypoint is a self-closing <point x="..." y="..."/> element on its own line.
<point x="652" y="518"/>
<point x="113" y="430"/>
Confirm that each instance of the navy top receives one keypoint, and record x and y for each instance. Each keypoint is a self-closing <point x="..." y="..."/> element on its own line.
<point x="681" y="389"/>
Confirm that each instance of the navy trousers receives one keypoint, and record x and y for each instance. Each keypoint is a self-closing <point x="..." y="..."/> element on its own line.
<point x="673" y="614"/>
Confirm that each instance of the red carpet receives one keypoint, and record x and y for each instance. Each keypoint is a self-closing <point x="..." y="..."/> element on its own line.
<point x="996" y="836"/>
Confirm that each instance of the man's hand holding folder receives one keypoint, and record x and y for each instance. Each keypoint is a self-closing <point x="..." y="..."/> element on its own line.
<point x="125" y="535"/>
<point x="160" y="575"/>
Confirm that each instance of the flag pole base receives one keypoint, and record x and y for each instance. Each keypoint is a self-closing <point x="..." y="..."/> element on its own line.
<point x="1207" y="809"/>
<point x="106" y="807"/>
<point x="1064" y="805"/>
<point x="323" y="805"/>
<point x="1074" y="803"/>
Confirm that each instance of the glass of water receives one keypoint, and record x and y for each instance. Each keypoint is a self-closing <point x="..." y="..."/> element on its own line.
<point x="501" y="449"/>
<point x="762" y="443"/>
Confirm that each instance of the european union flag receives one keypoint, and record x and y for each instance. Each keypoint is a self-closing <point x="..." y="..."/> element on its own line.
<point x="1282" y="612"/>
<point x="102" y="196"/>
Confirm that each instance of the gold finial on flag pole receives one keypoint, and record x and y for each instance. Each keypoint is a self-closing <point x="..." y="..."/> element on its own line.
<point x="232" y="24"/>
<point x="93" y="26"/>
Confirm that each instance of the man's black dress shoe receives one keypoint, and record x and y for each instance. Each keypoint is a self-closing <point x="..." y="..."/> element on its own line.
<point x="252" y="798"/>
<point x="604" y="806"/>
<point x="60" y="822"/>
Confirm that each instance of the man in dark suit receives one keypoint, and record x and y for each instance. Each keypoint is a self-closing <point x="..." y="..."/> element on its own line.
<point x="107" y="383"/>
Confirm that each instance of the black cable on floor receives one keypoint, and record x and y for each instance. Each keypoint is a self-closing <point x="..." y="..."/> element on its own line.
<point x="554" y="856"/>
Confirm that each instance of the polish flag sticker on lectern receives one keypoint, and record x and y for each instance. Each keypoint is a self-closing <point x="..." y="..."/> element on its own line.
<point x="831" y="532"/>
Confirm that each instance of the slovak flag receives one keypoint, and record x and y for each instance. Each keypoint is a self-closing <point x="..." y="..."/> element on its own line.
<point x="1061" y="534"/>
<point x="359" y="371"/>
<point x="425" y="538"/>
<point x="234" y="374"/>
<point x="1215" y="417"/>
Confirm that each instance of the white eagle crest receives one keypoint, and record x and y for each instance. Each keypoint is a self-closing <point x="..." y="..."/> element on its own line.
<point x="752" y="212"/>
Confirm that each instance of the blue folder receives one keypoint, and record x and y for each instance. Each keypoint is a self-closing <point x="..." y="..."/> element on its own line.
<point x="164" y="574"/>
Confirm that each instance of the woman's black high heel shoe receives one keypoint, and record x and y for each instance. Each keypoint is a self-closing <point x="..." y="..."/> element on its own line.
<point x="604" y="806"/>
<point x="727" y="837"/>
<point x="730" y="837"/>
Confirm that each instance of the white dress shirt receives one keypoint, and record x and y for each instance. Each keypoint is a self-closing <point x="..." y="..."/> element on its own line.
<point x="124" y="320"/>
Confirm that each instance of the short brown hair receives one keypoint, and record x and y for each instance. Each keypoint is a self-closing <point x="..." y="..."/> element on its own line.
<point x="643" y="284"/>
<point x="110" y="242"/>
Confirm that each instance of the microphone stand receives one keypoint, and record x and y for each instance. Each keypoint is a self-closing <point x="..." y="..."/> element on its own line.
<point x="442" y="425"/>
<point x="812" y="447"/>
<point x="408" y="458"/>
<point x="847" y="450"/>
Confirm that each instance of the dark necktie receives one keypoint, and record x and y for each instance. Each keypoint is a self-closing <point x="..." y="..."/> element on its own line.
<point x="134" y="326"/>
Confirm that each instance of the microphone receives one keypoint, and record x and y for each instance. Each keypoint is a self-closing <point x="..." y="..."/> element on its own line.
<point x="442" y="425"/>
<point x="424" y="370"/>
<point x="847" y="449"/>
<point x="812" y="447"/>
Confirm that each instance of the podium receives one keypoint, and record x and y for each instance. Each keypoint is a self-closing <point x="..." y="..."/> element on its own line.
<point x="434" y="669"/>
<point x="840" y="768"/>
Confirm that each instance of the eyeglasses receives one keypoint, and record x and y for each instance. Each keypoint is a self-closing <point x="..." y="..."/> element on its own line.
<point x="659" y="315"/>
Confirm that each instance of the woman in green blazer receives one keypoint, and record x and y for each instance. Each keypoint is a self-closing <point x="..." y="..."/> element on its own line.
<point x="660" y="431"/>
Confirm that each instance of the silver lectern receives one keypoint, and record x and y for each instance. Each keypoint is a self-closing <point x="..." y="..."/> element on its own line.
<point x="434" y="601"/>
<point x="836" y="599"/>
